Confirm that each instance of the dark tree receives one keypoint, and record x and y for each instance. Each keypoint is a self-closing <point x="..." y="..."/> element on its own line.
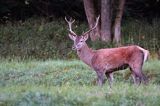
<point x="109" y="21"/>
<point x="105" y="20"/>
<point x="117" y="22"/>
<point x="91" y="16"/>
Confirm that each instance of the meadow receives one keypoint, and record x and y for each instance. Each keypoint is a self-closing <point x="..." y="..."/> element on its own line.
<point x="72" y="83"/>
<point x="38" y="67"/>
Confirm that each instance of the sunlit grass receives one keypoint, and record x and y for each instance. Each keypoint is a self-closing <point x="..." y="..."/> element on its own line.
<point x="71" y="82"/>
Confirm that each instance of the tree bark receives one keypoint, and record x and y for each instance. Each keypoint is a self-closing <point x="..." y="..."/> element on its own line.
<point x="91" y="17"/>
<point x="117" y="22"/>
<point x="158" y="53"/>
<point x="106" y="20"/>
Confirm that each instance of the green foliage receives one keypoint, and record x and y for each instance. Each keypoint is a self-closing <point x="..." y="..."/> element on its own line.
<point x="61" y="82"/>
<point x="141" y="33"/>
<point x="39" y="38"/>
<point x="34" y="38"/>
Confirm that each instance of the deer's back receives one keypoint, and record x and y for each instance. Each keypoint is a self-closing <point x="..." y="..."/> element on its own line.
<point x="114" y="57"/>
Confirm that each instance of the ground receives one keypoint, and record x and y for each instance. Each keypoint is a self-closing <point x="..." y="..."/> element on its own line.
<point x="71" y="82"/>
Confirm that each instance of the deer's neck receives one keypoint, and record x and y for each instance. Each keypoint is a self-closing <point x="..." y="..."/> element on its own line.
<point x="85" y="54"/>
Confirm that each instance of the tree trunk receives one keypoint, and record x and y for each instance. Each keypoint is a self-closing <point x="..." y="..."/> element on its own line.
<point x="158" y="53"/>
<point x="117" y="23"/>
<point x="106" y="20"/>
<point x="91" y="16"/>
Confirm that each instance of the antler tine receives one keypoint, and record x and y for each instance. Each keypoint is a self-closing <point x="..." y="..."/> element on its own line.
<point x="66" y="19"/>
<point x="97" y="20"/>
<point x="70" y="22"/>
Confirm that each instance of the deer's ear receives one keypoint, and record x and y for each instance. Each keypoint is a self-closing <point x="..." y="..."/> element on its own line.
<point x="85" y="37"/>
<point x="72" y="37"/>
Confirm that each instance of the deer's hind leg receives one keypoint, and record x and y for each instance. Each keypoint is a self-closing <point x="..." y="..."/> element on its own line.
<point x="135" y="64"/>
<point x="137" y="73"/>
<point x="134" y="77"/>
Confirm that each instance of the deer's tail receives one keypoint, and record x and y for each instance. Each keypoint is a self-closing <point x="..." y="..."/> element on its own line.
<point x="146" y="54"/>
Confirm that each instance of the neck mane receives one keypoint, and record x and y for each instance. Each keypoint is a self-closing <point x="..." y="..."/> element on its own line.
<point x="85" y="54"/>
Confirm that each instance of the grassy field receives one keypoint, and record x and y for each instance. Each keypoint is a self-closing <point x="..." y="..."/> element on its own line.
<point x="72" y="83"/>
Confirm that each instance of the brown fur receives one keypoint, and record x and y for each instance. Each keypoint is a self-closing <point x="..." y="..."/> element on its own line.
<point x="106" y="61"/>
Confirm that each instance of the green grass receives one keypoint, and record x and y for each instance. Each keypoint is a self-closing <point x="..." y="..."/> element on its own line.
<point x="70" y="83"/>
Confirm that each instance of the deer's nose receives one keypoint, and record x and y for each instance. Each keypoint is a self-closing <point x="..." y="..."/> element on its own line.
<point x="73" y="47"/>
<point x="78" y="45"/>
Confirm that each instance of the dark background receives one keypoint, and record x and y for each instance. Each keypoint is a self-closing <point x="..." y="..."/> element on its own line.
<point x="13" y="10"/>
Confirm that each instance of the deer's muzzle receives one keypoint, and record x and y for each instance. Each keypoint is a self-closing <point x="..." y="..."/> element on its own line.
<point x="73" y="47"/>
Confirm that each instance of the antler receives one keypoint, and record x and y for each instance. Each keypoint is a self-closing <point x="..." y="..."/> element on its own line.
<point x="97" y="20"/>
<point x="70" y="22"/>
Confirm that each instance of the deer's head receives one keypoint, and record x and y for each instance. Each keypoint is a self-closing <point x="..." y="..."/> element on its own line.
<point x="79" y="41"/>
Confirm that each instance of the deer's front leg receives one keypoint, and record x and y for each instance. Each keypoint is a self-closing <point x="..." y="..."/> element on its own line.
<point x="100" y="78"/>
<point x="110" y="78"/>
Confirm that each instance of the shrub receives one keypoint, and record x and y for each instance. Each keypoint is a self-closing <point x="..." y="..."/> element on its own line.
<point x="39" y="38"/>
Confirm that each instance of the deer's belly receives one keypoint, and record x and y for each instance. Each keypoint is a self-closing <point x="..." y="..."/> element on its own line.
<point x="111" y="68"/>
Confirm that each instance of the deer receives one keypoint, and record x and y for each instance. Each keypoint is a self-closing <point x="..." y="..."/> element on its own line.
<point x="108" y="60"/>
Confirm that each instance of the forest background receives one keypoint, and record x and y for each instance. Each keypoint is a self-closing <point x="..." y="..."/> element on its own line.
<point x="36" y="28"/>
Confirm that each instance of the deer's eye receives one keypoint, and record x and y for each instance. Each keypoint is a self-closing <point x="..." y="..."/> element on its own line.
<point x="81" y="41"/>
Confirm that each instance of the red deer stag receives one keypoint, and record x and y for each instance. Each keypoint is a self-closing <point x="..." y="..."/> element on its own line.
<point x="106" y="61"/>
